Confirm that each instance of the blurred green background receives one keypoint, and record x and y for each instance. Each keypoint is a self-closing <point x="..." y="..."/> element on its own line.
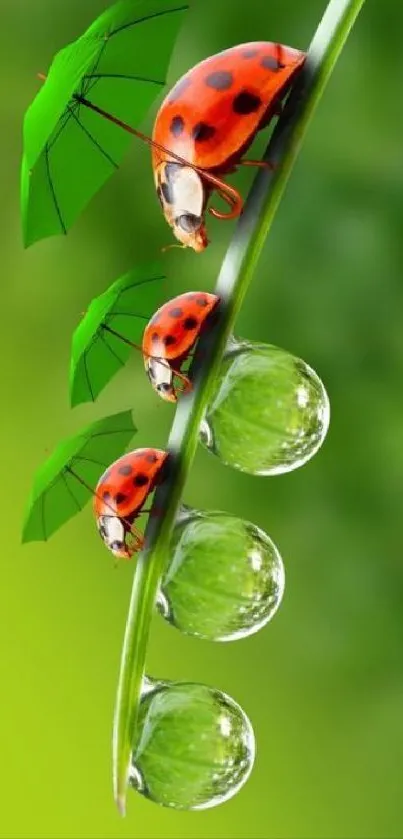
<point x="323" y="684"/>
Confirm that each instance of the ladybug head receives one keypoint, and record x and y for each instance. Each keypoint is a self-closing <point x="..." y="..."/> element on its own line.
<point x="113" y="533"/>
<point x="190" y="230"/>
<point x="183" y="198"/>
<point x="161" y="377"/>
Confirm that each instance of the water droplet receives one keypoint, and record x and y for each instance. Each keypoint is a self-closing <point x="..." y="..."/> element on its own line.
<point x="195" y="747"/>
<point x="224" y="578"/>
<point x="269" y="413"/>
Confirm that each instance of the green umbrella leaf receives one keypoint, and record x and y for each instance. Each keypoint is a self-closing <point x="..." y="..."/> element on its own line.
<point x="63" y="484"/>
<point x="120" y="65"/>
<point x="126" y="307"/>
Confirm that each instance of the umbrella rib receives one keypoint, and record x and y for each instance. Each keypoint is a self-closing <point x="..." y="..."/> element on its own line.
<point x="92" y="139"/>
<point x="137" y="284"/>
<point x="115" y="431"/>
<point x="64" y="119"/>
<point x="129" y="315"/>
<point x="97" y="62"/>
<point x="123" y="76"/>
<point x="87" y="376"/>
<point x="52" y="189"/>
<point x="140" y="282"/>
<point x="90" y="460"/>
<point x="147" y="17"/>
<point x="104" y="341"/>
<point x="69" y="490"/>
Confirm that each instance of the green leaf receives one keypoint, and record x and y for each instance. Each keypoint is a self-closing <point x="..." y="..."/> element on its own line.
<point x="97" y="353"/>
<point x="69" y="150"/>
<point x="65" y="482"/>
<point x="235" y="276"/>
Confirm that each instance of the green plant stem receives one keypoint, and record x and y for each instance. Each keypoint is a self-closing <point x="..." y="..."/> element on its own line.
<point x="234" y="278"/>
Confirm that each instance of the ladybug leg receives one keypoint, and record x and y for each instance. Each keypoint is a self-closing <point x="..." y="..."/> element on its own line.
<point x="228" y="194"/>
<point x="260" y="164"/>
<point x="156" y="512"/>
<point x="187" y="384"/>
<point x="138" y="537"/>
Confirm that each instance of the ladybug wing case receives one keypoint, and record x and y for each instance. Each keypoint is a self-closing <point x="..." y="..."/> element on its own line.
<point x="214" y="111"/>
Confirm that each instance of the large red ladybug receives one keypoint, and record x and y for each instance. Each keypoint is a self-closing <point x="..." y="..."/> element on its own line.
<point x="169" y="339"/>
<point x="120" y="495"/>
<point x="208" y="121"/>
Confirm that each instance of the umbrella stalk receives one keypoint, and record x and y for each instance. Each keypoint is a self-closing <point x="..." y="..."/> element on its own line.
<point x="181" y="376"/>
<point x="93" y="491"/>
<point x="122" y="338"/>
<point x="228" y="193"/>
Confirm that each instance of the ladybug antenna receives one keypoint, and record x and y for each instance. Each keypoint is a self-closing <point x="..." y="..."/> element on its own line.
<point x="173" y="245"/>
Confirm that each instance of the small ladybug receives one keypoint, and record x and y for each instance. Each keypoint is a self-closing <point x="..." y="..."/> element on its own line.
<point x="170" y="337"/>
<point x="206" y="124"/>
<point x="119" y="497"/>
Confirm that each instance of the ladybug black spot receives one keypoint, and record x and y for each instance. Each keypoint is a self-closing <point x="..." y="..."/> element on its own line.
<point x="220" y="80"/>
<point x="120" y="498"/>
<point x="190" y="323"/>
<point x="166" y="190"/>
<point x="106" y="496"/>
<point x="202" y="302"/>
<point x="178" y="90"/>
<point x="151" y="458"/>
<point x="203" y="132"/>
<point x="155" y="337"/>
<point x="177" y="126"/>
<point x="271" y="63"/>
<point x="246" y="103"/>
<point x="176" y="313"/>
<point x="251" y="53"/>
<point x="140" y="480"/>
<point x="169" y="340"/>
<point x="125" y="470"/>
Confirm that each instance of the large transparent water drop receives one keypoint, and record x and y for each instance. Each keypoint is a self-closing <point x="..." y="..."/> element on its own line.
<point x="195" y="747"/>
<point x="269" y="412"/>
<point x="224" y="579"/>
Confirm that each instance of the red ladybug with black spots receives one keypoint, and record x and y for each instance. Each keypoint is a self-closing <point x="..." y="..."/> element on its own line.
<point x="169" y="339"/>
<point x="120" y="495"/>
<point x="206" y="124"/>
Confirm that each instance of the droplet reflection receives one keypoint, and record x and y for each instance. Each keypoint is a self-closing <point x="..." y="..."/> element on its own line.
<point x="224" y="578"/>
<point x="269" y="413"/>
<point x="195" y="747"/>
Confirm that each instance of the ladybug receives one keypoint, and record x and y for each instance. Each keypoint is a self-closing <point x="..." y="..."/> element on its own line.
<point x="206" y="124"/>
<point x="120" y="495"/>
<point x="169" y="339"/>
